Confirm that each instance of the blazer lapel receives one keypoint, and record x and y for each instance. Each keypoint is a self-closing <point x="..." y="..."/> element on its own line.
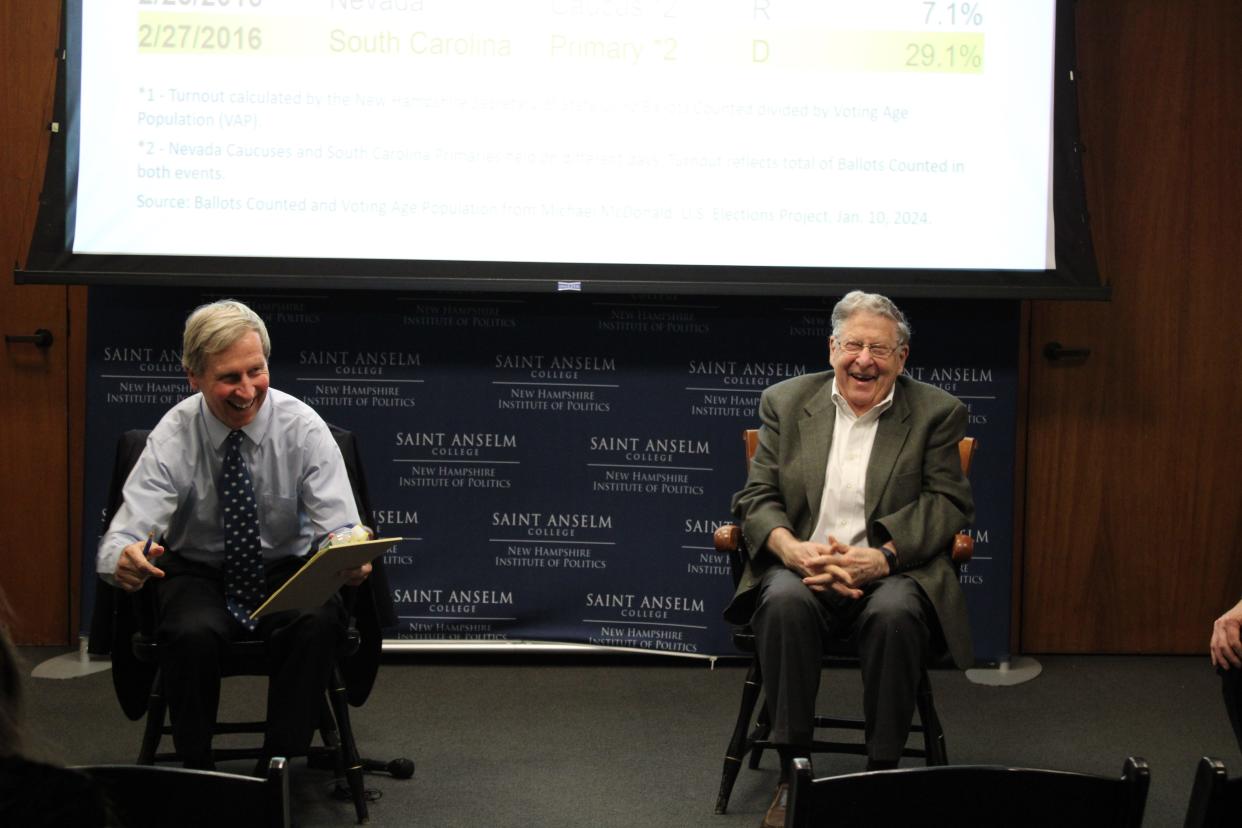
<point x="890" y="436"/>
<point x="815" y="433"/>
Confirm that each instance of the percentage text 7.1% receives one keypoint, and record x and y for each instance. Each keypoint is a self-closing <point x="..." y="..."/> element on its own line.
<point x="952" y="14"/>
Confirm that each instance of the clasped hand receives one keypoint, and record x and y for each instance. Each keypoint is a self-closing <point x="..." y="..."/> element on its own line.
<point x="843" y="569"/>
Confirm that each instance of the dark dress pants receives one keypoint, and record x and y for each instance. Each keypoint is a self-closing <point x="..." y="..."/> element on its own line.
<point x="193" y="631"/>
<point x="892" y="626"/>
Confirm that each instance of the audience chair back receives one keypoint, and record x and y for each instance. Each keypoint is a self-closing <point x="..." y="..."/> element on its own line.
<point x="729" y="540"/>
<point x="142" y="796"/>
<point x="969" y="795"/>
<point x="1215" y="800"/>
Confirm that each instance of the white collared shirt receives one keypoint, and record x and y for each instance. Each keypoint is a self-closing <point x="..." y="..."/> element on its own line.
<point x="842" y="509"/>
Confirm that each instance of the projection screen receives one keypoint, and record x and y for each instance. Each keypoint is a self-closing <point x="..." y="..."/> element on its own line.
<point x="783" y="146"/>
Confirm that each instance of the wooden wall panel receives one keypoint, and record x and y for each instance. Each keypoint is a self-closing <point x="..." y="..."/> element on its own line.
<point x="35" y="490"/>
<point x="1133" y="508"/>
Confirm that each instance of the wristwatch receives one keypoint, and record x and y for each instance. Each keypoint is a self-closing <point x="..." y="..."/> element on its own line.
<point x="891" y="557"/>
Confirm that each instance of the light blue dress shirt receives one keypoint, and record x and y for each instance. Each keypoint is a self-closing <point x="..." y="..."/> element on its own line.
<point x="299" y="479"/>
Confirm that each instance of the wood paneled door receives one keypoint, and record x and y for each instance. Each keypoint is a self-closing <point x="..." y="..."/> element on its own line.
<point x="1133" y="540"/>
<point x="39" y="519"/>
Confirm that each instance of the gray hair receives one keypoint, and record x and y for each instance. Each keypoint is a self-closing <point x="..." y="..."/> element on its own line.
<point x="214" y="327"/>
<point x="856" y="301"/>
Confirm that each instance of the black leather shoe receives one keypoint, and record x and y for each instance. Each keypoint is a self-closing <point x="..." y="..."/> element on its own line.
<point x="775" y="817"/>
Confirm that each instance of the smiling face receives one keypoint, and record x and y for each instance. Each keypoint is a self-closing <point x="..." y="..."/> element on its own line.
<point x="861" y="378"/>
<point x="234" y="381"/>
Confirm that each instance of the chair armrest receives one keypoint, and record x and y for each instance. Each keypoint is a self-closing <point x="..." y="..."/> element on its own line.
<point x="963" y="548"/>
<point x="728" y="538"/>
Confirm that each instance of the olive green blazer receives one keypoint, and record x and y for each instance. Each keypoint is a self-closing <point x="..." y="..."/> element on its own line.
<point x="916" y="494"/>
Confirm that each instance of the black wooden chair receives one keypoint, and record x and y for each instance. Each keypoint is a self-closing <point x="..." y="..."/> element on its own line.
<point x="963" y="796"/>
<point x="1215" y="799"/>
<point x="729" y="540"/>
<point x="140" y="796"/>
<point x="130" y="623"/>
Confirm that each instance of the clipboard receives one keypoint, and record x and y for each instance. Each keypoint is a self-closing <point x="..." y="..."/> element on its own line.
<point x="320" y="577"/>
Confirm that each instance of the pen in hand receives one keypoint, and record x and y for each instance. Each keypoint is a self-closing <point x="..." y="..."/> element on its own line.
<point x="136" y="565"/>
<point x="149" y="558"/>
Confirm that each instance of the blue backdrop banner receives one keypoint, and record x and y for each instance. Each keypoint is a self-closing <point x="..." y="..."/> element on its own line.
<point x="558" y="462"/>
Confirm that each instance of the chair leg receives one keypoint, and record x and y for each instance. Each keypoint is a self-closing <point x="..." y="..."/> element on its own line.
<point x="759" y="736"/>
<point x="933" y="733"/>
<point x="328" y="757"/>
<point x="157" y="709"/>
<point x="737" y="743"/>
<point x="348" y="747"/>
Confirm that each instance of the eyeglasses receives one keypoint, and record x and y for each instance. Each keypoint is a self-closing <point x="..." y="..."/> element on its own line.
<point x="853" y="346"/>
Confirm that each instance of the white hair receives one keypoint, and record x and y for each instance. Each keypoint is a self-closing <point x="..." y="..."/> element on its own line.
<point x="875" y="303"/>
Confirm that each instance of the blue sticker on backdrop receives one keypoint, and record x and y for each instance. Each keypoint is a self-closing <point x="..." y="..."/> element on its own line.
<point x="558" y="462"/>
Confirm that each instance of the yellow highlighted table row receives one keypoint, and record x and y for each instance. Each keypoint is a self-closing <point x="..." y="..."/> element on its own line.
<point x="811" y="48"/>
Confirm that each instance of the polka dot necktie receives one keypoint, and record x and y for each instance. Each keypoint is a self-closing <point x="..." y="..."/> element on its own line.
<point x="243" y="555"/>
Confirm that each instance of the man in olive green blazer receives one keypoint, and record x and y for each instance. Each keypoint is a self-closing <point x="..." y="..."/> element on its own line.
<point x="854" y="495"/>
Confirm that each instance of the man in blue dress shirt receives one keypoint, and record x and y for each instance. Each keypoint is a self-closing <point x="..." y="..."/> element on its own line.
<point x="301" y="492"/>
